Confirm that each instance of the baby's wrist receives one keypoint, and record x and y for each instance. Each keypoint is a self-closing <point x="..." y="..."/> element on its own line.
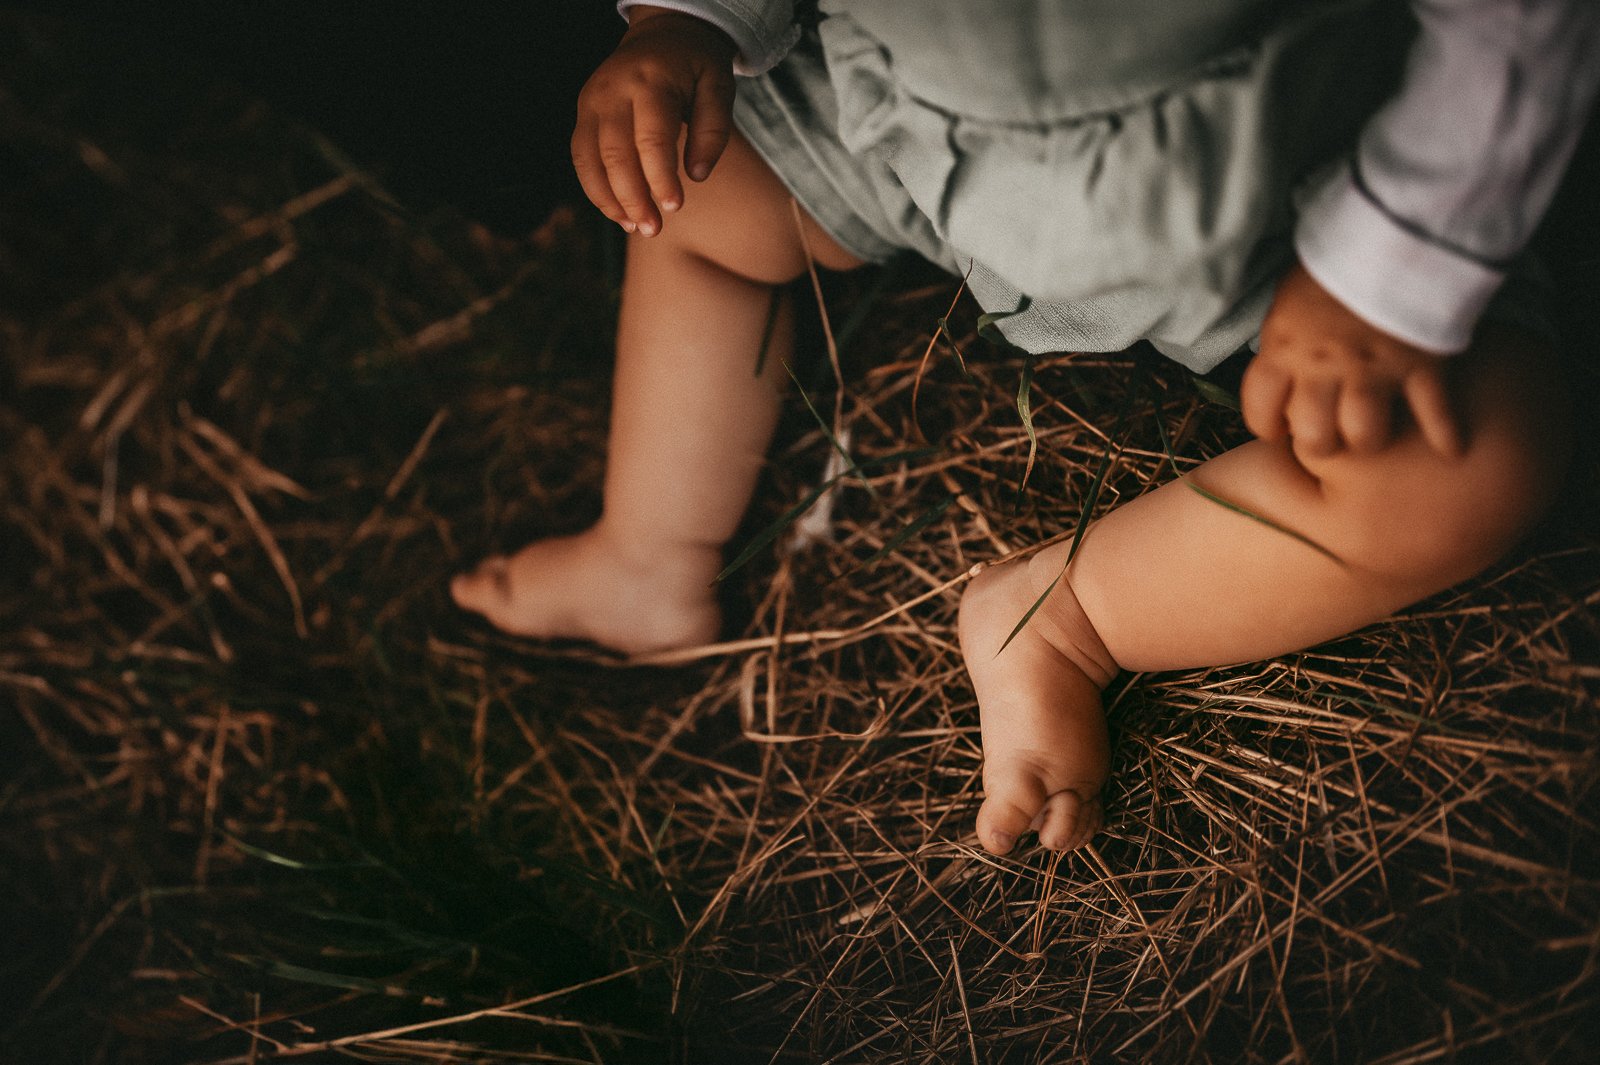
<point x="648" y="17"/>
<point x="640" y="12"/>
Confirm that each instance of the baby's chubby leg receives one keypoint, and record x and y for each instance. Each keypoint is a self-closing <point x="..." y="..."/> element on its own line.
<point x="1045" y="748"/>
<point x="1172" y="580"/>
<point x="691" y="420"/>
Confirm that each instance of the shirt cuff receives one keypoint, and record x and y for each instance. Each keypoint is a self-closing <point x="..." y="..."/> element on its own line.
<point x="1387" y="273"/>
<point x="763" y="31"/>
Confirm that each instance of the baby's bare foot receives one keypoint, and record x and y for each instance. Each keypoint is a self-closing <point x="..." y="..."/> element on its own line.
<point x="1045" y="750"/>
<point x="632" y="598"/>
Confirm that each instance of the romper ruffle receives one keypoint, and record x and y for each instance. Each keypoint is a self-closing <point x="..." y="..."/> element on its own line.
<point x="1142" y="207"/>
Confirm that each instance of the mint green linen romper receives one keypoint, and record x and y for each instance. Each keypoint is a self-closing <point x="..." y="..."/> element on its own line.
<point x="1108" y="170"/>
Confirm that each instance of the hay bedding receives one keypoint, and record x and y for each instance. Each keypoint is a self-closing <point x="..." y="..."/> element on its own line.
<point x="266" y="796"/>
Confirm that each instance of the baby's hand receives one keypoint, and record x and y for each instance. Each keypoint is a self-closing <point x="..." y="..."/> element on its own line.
<point x="669" y="69"/>
<point x="1329" y="380"/>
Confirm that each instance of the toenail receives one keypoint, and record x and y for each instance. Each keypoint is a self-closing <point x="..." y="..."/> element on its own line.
<point x="1004" y="840"/>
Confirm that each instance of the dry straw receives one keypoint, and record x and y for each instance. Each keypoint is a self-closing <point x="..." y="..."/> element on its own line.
<point x="266" y="797"/>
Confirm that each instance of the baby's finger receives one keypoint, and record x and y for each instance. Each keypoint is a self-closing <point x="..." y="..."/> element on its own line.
<point x="1312" y="412"/>
<point x="656" y="122"/>
<point x="1364" y="418"/>
<point x="710" y="123"/>
<point x="620" y="156"/>
<point x="1436" y="417"/>
<point x="592" y="174"/>
<point x="1262" y="397"/>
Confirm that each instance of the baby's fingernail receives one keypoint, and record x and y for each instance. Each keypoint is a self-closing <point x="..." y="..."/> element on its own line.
<point x="699" y="171"/>
<point x="647" y="228"/>
<point x="670" y="205"/>
<point x="627" y="227"/>
<point x="1004" y="840"/>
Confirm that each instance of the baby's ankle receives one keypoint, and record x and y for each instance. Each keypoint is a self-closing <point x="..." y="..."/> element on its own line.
<point x="632" y="594"/>
<point x="642" y="548"/>
<point x="1063" y="623"/>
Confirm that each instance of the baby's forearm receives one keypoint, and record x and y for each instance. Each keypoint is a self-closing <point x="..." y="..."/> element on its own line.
<point x="762" y="31"/>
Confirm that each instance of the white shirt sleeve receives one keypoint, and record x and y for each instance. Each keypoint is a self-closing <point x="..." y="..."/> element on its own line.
<point x="763" y="30"/>
<point x="1451" y="176"/>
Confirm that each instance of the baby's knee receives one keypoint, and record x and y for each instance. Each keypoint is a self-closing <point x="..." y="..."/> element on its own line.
<point x="1411" y="513"/>
<point x="1446" y="520"/>
<point x="744" y="221"/>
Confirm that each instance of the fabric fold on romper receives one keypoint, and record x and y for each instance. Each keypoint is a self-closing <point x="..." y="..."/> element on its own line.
<point x="1168" y="213"/>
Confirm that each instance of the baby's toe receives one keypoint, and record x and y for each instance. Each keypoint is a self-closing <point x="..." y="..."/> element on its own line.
<point x="1068" y="820"/>
<point x="1010" y="805"/>
<point x="1066" y="813"/>
<point x="483" y="590"/>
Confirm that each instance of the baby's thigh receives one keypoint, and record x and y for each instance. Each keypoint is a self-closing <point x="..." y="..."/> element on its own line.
<point x="744" y="220"/>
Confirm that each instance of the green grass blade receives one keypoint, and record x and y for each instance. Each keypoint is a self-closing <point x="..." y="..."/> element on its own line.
<point x="790" y="516"/>
<point x="989" y="324"/>
<point x="1034" y="609"/>
<point x="922" y="521"/>
<point x="321" y="978"/>
<point x="989" y="330"/>
<point x="1228" y="504"/>
<point x="661" y="833"/>
<point x="1166" y="443"/>
<point x="294" y="863"/>
<point x="887" y="278"/>
<point x="773" y="306"/>
<point x="942" y="329"/>
<point x="1025" y="410"/>
<point x="850" y="466"/>
<point x="895" y="457"/>
<point x="942" y="326"/>
<point x="771" y="532"/>
<point x="609" y="891"/>
<point x="405" y="936"/>
<point x="1212" y="392"/>
<point x="1091" y="498"/>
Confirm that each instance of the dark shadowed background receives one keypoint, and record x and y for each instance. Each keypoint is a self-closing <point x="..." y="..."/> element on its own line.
<point x="461" y="102"/>
<point x="264" y="795"/>
<point x="470" y="102"/>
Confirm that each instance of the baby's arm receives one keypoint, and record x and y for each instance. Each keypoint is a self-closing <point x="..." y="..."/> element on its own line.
<point x="1401" y="251"/>
<point x="673" y="68"/>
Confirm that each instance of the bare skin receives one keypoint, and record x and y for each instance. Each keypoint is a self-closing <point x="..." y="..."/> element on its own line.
<point x="1411" y="471"/>
<point x="1173" y="581"/>
<point x="691" y="419"/>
